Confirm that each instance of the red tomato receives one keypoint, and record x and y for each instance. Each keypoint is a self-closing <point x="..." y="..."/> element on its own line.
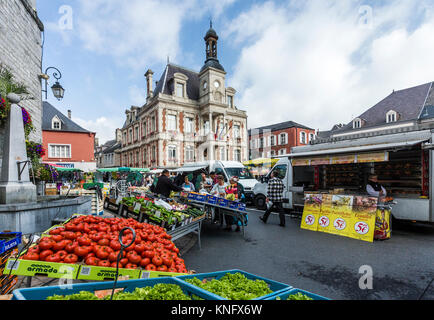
<point x="145" y="262"/>
<point x="124" y="261"/>
<point x="71" y="258"/>
<point x="173" y="270"/>
<point x="114" y="264"/>
<point x="162" y="268"/>
<point x="45" y="254"/>
<point x="115" y="245"/>
<point x="131" y="266"/>
<point x="104" y="263"/>
<point x="70" y="235"/>
<point x="134" y="258"/>
<point x="31" y="256"/>
<point x="84" y="241"/>
<point x="130" y="248"/>
<point x="45" y="244"/>
<point x="70" y="227"/>
<point x="102" y="254"/>
<point x="157" y="261"/>
<point x="59" y="246"/>
<point x="176" y="250"/>
<point x="91" y="254"/>
<point x="71" y="247"/>
<point x="34" y="249"/>
<point x="79" y="227"/>
<point x="104" y="242"/>
<point x="167" y="261"/>
<point x="81" y="251"/>
<point x="57" y="238"/>
<point x="52" y="258"/>
<point x="92" y="261"/>
<point x="148" y="247"/>
<point x="151" y="267"/>
<point x="149" y="254"/>
<point x="54" y="231"/>
<point x="139" y="248"/>
<point x="62" y="254"/>
<point x="113" y="257"/>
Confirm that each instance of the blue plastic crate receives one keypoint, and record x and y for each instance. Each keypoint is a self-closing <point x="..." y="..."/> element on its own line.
<point x="233" y="205"/>
<point x="285" y="295"/>
<point x="211" y="199"/>
<point x="42" y="293"/>
<point x="14" y="239"/>
<point x="201" y="197"/>
<point x="242" y="206"/>
<point x="276" y="287"/>
<point x="191" y="196"/>
<point x="223" y="202"/>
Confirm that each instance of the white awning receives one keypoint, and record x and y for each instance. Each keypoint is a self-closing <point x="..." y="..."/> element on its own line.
<point x="373" y="147"/>
<point x="188" y="169"/>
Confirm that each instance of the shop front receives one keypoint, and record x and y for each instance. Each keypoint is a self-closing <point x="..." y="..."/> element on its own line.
<point x="403" y="169"/>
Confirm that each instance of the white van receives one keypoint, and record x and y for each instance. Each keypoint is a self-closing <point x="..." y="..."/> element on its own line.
<point x="292" y="195"/>
<point x="226" y="168"/>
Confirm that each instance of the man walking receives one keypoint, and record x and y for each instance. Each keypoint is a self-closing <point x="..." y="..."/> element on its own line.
<point x="275" y="192"/>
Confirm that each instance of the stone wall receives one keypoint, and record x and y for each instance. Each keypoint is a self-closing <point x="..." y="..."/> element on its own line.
<point x="21" y="52"/>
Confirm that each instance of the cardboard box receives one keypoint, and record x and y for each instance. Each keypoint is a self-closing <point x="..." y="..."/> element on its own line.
<point x="105" y="273"/>
<point x="42" y="268"/>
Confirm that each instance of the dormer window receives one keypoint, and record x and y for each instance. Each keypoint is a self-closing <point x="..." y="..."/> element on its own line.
<point x="357" y="123"/>
<point x="56" y="124"/>
<point x="391" y="116"/>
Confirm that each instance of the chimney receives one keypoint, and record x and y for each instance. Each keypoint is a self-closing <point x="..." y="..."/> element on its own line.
<point x="148" y="76"/>
<point x="118" y="135"/>
<point x="69" y="114"/>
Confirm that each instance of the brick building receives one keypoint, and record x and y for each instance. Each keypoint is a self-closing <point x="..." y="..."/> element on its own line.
<point x="278" y="139"/>
<point x="189" y="117"/>
<point x="67" y="144"/>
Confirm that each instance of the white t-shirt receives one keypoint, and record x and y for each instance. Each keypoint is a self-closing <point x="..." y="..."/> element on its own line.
<point x="218" y="189"/>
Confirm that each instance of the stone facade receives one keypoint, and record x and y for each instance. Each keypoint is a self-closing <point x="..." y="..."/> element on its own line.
<point x="21" y="52"/>
<point x="189" y="117"/>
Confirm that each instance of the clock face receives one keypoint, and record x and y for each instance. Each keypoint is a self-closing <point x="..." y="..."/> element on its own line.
<point x="216" y="84"/>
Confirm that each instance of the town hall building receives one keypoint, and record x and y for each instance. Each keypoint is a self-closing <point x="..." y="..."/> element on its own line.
<point x="189" y="116"/>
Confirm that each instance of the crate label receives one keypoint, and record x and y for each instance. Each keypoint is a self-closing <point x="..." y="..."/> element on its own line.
<point x="103" y="273"/>
<point x="145" y="275"/>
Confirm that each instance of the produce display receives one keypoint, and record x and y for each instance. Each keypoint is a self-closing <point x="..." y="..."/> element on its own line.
<point x="161" y="291"/>
<point x="157" y="213"/>
<point x="233" y="287"/>
<point x="94" y="241"/>
<point x="297" y="296"/>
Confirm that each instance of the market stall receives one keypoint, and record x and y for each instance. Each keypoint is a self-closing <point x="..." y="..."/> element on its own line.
<point x="401" y="163"/>
<point x="86" y="247"/>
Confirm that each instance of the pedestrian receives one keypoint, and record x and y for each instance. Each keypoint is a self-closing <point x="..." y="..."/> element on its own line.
<point x="165" y="185"/>
<point x="187" y="185"/>
<point x="219" y="190"/>
<point x="214" y="178"/>
<point x="275" y="196"/>
<point x="206" y="183"/>
<point x="234" y="192"/>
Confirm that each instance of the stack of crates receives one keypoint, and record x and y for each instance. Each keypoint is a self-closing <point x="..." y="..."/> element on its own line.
<point x="9" y="242"/>
<point x="97" y="204"/>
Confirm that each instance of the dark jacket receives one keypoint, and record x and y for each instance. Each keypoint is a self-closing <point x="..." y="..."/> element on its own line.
<point x="165" y="186"/>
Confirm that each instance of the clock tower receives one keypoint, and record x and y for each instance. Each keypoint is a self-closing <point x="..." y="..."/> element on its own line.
<point x="212" y="75"/>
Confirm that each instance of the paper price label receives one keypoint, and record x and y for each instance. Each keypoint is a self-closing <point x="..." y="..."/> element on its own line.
<point x="137" y="206"/>
<point x="158" y="214"/>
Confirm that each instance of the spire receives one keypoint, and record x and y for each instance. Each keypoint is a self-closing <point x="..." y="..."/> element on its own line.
<point x="211" y="39"/>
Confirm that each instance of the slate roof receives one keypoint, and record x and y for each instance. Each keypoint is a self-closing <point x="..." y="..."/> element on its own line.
<point x="49" y="111"/>
<point x="113" y="147"/>
<point x="281" y="126"/>
<point x="166" y="83"/>
<point x="411" y="104"/>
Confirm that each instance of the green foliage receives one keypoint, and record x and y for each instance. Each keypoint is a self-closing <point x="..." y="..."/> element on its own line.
<point x="160" y="291"/>
<point x="234" y="287"/>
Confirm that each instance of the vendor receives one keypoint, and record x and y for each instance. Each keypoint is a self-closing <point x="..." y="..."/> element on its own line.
<point x="374" y="188"/>
<point x="165" y="185"/>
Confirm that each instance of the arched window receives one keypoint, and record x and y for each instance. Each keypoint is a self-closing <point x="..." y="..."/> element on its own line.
<point x="357" y="123"/>
<point x="391" y="116"/>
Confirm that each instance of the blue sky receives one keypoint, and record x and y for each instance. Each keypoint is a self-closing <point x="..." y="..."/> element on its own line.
<point x="318" y="62"/>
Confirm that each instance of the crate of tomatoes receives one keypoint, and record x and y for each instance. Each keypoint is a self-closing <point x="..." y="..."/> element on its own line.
<point x="87" y="247"/>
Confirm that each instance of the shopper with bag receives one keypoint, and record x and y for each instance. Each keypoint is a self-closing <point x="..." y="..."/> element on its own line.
<point x="275" y="198"/>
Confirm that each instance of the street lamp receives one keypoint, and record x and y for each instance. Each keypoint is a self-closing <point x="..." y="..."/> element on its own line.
<point x="58" y="90"/>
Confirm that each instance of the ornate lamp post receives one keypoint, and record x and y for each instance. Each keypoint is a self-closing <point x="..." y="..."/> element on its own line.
<point x="58" y="90"/>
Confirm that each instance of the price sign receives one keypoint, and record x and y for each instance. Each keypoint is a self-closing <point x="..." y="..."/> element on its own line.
<point x="339" y="224"/>
<point x="324" y="221"/>
<point x="118" y="200"/>
<point x="137" y="206"/>
<point x="361" y="227"/>
<point x="158" y="213"/>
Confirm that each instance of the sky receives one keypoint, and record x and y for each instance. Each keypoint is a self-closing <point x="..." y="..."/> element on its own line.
<point x="315" y="62"/>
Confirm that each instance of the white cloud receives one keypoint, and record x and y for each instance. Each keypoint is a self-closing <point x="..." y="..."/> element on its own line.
<point x="314" y="63"/>
<point x="103" y="126"/>
<point x="139" y="33"/>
